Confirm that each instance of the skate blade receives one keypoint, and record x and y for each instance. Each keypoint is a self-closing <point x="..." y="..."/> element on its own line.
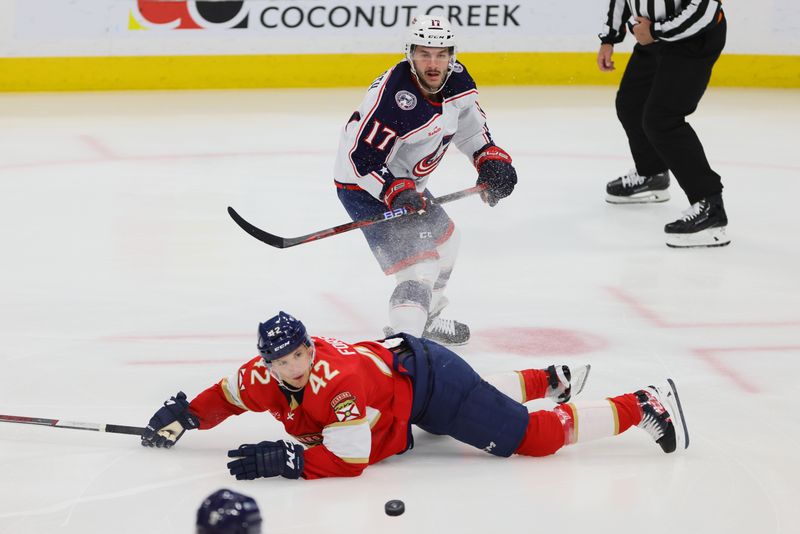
<point x="647" y="197"/>
<point x="678" y="417"/>
<point x="584" y="378"/>
<point x="711" y="237"/>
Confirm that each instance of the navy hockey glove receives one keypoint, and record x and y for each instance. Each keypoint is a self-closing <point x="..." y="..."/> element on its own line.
<point x="495" y="170"/>
<point x="267" y="459"/>
<point x="402" y="193"/>
<point x="169" y="423"/>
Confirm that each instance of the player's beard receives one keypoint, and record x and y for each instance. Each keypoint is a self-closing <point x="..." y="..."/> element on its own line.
<point x="428" y="85"/>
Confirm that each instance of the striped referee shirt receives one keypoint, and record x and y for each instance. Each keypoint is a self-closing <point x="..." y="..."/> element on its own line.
<point x="673" y="20"/>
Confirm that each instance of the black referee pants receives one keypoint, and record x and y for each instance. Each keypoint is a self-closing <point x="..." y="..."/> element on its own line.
<point x="662" y="84"/>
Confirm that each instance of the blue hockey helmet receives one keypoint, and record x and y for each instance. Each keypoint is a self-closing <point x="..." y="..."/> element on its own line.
<point x="281" y="335"/>
<point x="228" y="512"/>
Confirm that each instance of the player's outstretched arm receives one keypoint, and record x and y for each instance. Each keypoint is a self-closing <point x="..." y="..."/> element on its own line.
<point x="267" y="459"/>
<point x="169" y="423"/>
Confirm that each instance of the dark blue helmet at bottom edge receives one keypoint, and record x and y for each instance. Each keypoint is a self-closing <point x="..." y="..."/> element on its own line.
<point x="228" y="512"/>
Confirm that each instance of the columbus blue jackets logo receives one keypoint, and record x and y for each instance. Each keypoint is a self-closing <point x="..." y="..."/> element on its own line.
<point x="426" y="165"/>
<point x="458" y="67"/>
<point x="405" y="100"/>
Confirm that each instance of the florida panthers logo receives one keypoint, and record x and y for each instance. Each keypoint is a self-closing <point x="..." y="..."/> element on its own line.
<point x="426" y="165"/>
<point x="344" y="406"/>
<point x="347" y="411"/>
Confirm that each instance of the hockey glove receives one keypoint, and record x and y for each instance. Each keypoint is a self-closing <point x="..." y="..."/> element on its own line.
<point x="267" y="459"/>
<point x="402" y="193"/>
<point x="169" y="423"/>
<point x="495" y="170"/>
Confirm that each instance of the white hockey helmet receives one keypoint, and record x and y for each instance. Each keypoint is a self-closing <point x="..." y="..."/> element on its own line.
<point x="428" y="30"/>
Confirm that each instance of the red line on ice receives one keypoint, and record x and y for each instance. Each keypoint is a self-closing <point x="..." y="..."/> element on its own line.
<point x="652" y="317"/>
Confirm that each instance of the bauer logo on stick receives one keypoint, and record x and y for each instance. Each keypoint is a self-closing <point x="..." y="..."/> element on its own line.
<point x="394" y="213"/>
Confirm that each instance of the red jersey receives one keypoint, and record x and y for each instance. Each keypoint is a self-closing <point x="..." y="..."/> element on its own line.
<point x="353" y="412"/>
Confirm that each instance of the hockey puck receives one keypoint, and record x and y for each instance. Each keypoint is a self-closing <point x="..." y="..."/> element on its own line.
<point x="394" y="507"/>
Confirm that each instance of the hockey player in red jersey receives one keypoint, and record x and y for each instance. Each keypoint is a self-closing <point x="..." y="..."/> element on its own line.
<point x="388" y="149"/>
<point x="352" y="405"/>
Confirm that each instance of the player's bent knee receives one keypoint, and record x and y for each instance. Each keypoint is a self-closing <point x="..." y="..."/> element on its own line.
<point x="544" y="436"/>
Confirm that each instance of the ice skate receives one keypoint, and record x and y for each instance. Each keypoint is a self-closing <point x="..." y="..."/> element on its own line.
<point x="564" y="383"/>
<point x="636" y="189"/>
<point x="445" y="331"/>
<point x="704" y="224"/>
<point x="388" y="331"/>
<point x="662" y="416"/>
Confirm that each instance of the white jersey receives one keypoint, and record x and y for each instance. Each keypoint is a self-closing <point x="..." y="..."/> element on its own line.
<point x="399" y="133"/>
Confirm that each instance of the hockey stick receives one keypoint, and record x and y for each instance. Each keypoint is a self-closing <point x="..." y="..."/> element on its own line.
<point x="115" y="429"/>
<point x="286" y="242"/>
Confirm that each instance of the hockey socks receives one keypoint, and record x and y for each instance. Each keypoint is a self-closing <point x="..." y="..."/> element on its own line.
<point x="522" y="386"/>
<point x="579" y="421"/>
<point x="558" y="383"/>
<point x="534" y="383"/>
<point x="591" y="420"/>
<point x="408" y="306"/>
<point x="628" y="411"/>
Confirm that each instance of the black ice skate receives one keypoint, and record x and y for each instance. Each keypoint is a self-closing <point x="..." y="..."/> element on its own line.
<point x="702" y="225"/>
<point x="635" y="189"/>
<point x="564" y="383"/>
<point x="445" y="331"/>
<point x="662" y="416"/>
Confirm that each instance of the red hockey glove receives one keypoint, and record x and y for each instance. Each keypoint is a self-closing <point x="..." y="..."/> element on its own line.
<point x="402" y="193"/>
<point x="495" y="170"/>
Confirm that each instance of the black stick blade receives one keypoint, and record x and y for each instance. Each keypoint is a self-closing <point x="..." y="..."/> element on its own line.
<point x="258" y="233"/>
<point x="123" y="429"/>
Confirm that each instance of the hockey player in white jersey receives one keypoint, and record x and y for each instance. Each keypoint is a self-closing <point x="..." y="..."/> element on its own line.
<point x="410" y="116"/>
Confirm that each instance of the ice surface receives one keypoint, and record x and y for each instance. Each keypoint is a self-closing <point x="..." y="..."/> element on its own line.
<point x="124" y="280"/>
